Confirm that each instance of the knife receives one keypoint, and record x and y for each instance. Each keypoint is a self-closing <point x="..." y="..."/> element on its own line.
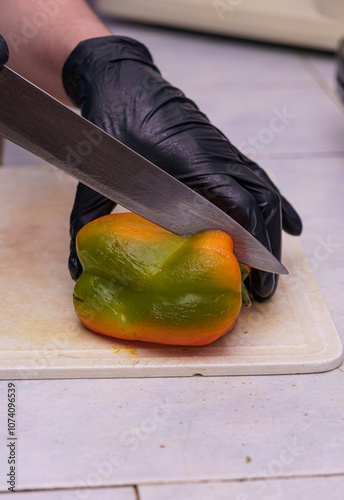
<point x="42" y="125"/>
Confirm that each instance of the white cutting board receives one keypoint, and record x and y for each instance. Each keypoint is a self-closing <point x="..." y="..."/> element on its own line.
<point x="41" y="336"/>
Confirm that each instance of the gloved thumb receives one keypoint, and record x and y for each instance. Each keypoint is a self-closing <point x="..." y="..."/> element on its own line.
<point x="88" y="206"/>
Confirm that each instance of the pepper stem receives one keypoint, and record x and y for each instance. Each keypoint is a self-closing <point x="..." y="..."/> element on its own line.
<point x="244" y="293"/>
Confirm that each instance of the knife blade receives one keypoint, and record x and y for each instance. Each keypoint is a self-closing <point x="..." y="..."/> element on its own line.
<point x="42" y="125"/>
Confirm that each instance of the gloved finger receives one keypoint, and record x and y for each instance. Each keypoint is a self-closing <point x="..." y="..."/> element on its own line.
<point x="262" y="284"/>
<point x="4" y="54"/>
<point x="291" y="221"/>
<point x="267" y="199"/>
<point x="88" y="206"/>
<point x="267" y="204"/>
<point x="227" y="194"/>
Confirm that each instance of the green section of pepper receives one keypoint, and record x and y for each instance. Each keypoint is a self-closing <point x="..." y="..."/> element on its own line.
<point x="105" y="300"/>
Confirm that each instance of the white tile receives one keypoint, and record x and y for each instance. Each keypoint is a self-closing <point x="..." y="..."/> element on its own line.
<point x="202" y="60"/>
<point x="126" y="493"/>
<point x="130" y="431"/>
<point x="316" y="188"/>
<point x="324" y="65"/>
<point x="263" y="122"/>
<point x="315" y="488"/>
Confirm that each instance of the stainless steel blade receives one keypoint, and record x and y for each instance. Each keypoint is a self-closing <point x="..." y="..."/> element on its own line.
<point x="42" y="125"/>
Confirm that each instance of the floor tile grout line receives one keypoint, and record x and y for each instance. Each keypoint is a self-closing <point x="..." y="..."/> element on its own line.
<point x="247" y="86"/>
<point x="298" y="155"/>
<point x="241" y="480"/>
<point x="244" y="85"/>
<point x="137" y="492"/>
<point x="137" y="485"/>
<point x="133" y="487"/>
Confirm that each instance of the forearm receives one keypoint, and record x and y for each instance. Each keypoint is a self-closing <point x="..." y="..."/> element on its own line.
<point x="42" y="33"/>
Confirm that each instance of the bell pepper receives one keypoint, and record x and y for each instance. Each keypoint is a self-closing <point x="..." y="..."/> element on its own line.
<point x="142" y="282"/>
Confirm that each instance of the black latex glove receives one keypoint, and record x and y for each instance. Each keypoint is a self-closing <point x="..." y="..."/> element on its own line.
<point x="119" y="89"/>
<point x="3" y="51"/>
<point x="340" y="70"/>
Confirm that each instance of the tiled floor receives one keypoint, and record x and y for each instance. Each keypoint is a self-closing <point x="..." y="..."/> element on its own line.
<point x="220" y="430"/>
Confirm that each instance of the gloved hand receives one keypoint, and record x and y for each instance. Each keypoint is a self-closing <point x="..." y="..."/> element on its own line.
<point x="119" y="89"/>
<point x="340" y="70"/>
<point x="3" y="52"/>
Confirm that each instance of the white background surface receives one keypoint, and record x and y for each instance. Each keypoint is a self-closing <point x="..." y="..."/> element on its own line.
<point x="282" y="435"/>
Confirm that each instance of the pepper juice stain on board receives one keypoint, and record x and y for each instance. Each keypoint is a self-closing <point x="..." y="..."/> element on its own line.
<point x="125" y="350"/>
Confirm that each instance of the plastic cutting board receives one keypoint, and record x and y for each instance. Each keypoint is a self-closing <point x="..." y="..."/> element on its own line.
<point x="41" y="336"/>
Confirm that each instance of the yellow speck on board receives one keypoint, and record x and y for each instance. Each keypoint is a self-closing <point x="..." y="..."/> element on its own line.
<point x="125" y="349"/>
